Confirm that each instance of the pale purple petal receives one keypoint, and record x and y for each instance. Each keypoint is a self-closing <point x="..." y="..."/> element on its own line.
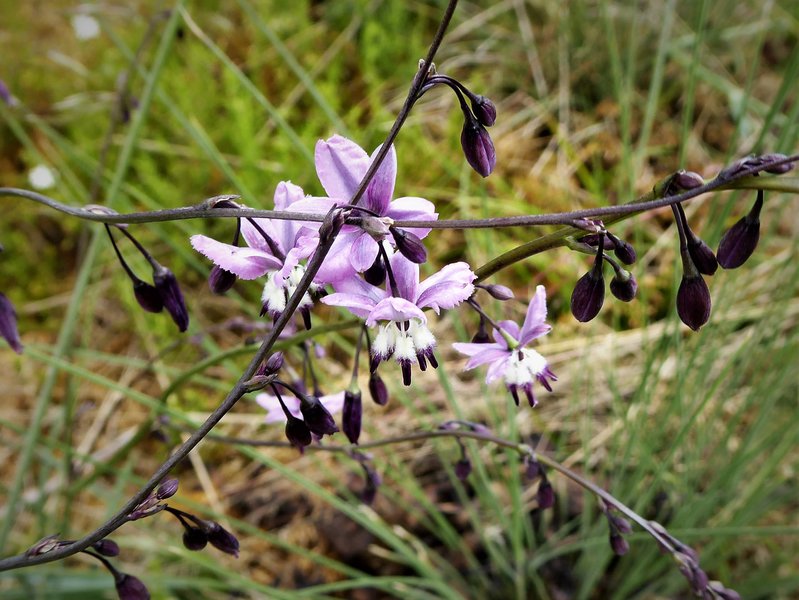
<point x="364" y="252"/>
<point x="274" y="413"/>
<point x="497" y="369"/>
<point x="247" y="263"/>
<point x="359" y="305"/>
<point x="254" y="238"/>
<point x="394" y="309"/>
<point x="358" y="285"/>
<point x="336" y="267"/>
<point x="480" y="354"/>
<point x="334" y="403"/>
<point x="447" y="288"/>
<point x="381" y="188"/>
<point x="413" y="209"/>
<point x="534" y="325"/>
<point x="286" y="194"/>
<point x="406" y="274"/>
<point x="340" y="165"/>
<point x="509" y="327"/>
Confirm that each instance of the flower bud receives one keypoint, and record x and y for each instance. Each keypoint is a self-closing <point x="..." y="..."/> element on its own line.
<point x="106" y="547"/>
<point x="378" y="390"/>
<point x="693" y="573"/>
<point x="693" y="301"/>
<point x="221" y="539"/>
<point x="147" y="296"/>
<point x="722" y="592"/>
<point x="588" y="295"/>
<point x="624" y="251"/>
<point x="167" y="489"/>
<point x="484" y="110"/>
<point x="481" y="337"/>
<point x="478" y="147"/>
<point x="624" y="286"/>
<point x="272" y="365"/>
<point x="545" y="494"/>
<point x="500" y="292"/>
<point x="701" y="254"/>
<point x="130" y="588"/>
<point x="740" y="241"/>
<point x="410" y="245"/>
<point x="463" y="468"/>
<point x="168" y="288"/>
<point x="351" y="415"/>
<point x="687" y="180"/>
<point x="297" y="432"/>
<point x="532" y="468"/>
<point x="8" y="324"/>
<point x="220" y="281"/>
<point x="618" y="544"/>
<point x="194" y="539"/>
<point x="779" y="169"/>
<point x="376" y="274"/>
<point x="317" y="418"/>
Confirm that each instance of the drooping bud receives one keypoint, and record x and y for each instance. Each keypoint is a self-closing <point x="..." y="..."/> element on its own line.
<point x="624" y="286"/>
<point x="409" y="245"/>
<point x="351" y="415"/>
<point x="272" y="365"/>
<point x="693" y="573"/>
<point x="220" y="281"/>
<point x="147" y="296"/>
<point x="481" y="337"/>
<point x="463" y="468"/>
<point x="589" y="293"/>
<point x="8" y="324"/>
<point x="317" y="418"/>
<point x="221" y="539"/>
<point x="106" y="547"/>
<point x="740" y="241"/>
<point x="478" y="147"/>
<point x="167" y="489"/>
<point x="545" y="494"/>
<point x="376" y="274"/>
<point x="378" y="390"/>
<point x="499" y="292"/>
<point x="702" y="255"/>
<point x="168" y="288"/>
<point x="130" y="588"/>
<point x="194" y="539"/>
<point x="484" y="110"/>
<point x="532" y="468"/>
<point x="297" y="432"/>
<point x="371" y="484"/>
<point x="624" y="251"/>
<point x="693" y="301"/>
<point x="721" y="592"/>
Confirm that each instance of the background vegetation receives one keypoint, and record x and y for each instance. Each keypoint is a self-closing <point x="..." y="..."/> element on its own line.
<point x="597" y="101"/>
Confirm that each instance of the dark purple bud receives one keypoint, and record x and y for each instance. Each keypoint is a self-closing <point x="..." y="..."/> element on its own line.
<point x="194" y="539"/>
<point x="463" y="468"/>
<point x="410" y="245"/>
<point x="130" y="588"/>
<point x="620" y="524"/>
<point x="334" y="221"/>
<point x="478" y="147"/>
<point x="297" y="432"/>
<point x="5" y="94"/>
<point x="739" y="165"/>
<point x="693" y="573"/>
<point x="351" y="415"/>
<point x="167" y="286"/>
<point x="8" y="324"/>
<point x="272" y="365"/>
<point x="371" y="484"/>
<point x="592" y="239"/>
<point x="500" y="292"/>
<point x="624" y="286"/>
<point x="687" y="180"/>
<point x="740" y="241"/>
<point x="220" y="281"/>
<point x="147" y="296"/>
<point x="167" y="489"/>
<point x="221" y="539"/>
<point x="481" y="337"/>
<point x="701" y="254"/>
<point x="545" y="494"/>
<point x="779" y="169"/>
<point x="618" y="544"/>
<point x="376" y="274"/>
<point x="106" y="548"/>
<point x="693" y="301"/>
<point x="44" y="545"/>
<point x="378" y="390"/>
<point x="588" y="296"/>
<point x="532" y="468"/>
<point x="624" y="251"/>
<point x="484" y="110"/>
<point x="316" y="416"/>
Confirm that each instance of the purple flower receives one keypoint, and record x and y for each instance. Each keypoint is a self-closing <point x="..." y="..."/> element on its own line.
<point x="274" y="413"/>
<point x="274" y="248"/>
<point x="507" y="357"/>
<point x="404" y="334"/>
<point x="340" y="165"/>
